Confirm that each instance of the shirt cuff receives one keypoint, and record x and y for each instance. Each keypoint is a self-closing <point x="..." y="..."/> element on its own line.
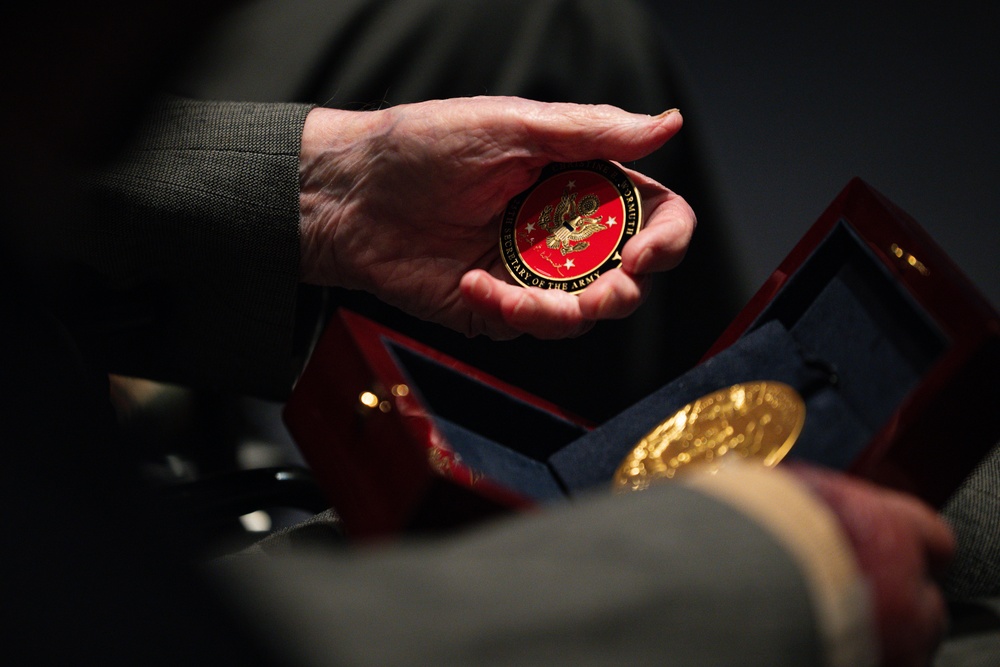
<point x="812" y="534"/>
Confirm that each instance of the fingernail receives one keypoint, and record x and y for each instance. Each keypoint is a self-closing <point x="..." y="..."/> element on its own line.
<point x="642" y="261"/>
<point x="483" y="287"/>
<point x="525" y="309"/>
<point x="604" y="305"/>
<point x="668" y="112"/>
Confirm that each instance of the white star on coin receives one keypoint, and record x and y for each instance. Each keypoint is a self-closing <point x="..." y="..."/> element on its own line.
<point x="570" y="185"/>
<point x="569" y="264"/>
<point x="530" y="227"/>
<point x="612" y="222"/>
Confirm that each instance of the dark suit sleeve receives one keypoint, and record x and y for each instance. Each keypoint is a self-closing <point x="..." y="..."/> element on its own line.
<point x="189" y="258"/>
<point x="745" y="568"/>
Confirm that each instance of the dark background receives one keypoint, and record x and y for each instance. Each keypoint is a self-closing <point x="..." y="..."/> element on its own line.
<point x="787" y="102"/>
<point x="794" y="99"/>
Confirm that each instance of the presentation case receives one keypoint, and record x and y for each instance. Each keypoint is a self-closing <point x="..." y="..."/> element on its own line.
<point x="893" y="349"/>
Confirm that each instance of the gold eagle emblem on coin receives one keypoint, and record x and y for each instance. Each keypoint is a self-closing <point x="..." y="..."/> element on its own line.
<point x="571" y="222"/>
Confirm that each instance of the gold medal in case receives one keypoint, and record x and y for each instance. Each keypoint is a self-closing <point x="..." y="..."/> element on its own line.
<point x="756" y="421"/>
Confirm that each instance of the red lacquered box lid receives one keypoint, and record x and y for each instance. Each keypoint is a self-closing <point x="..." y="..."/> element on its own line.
<point x="372" y="443"/>
<point x="946" y="424"/>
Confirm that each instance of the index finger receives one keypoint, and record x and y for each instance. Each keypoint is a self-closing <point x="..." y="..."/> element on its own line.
<point x="565" y="132"/>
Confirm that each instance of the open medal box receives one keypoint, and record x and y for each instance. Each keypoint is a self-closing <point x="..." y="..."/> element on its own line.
<point x="892" y="348"/>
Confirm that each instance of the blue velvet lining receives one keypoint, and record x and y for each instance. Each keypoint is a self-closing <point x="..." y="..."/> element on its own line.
<point x="501" y="463"/>
<point x="492" y="432"/>
<point x="769" y="353"/>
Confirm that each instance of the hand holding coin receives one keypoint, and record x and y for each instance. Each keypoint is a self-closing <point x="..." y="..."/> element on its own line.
<point x="407" y="202"/>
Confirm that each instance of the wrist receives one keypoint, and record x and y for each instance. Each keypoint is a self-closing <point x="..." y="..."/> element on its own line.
<point x="811" y="532"/>
<point x="332" y="164"/>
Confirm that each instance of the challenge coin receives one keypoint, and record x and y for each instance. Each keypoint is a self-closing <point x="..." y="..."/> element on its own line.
<point x="569" y="228"/>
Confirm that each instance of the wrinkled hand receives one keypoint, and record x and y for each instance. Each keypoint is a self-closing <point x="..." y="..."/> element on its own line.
<point x="900" y="545"/>
<point x="406" y="203"/>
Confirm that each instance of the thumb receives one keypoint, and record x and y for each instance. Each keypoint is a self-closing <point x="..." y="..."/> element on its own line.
<point x="570" y="132"/>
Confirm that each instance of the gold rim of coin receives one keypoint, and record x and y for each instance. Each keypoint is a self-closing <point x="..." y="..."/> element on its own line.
<point x="756" y="421"/>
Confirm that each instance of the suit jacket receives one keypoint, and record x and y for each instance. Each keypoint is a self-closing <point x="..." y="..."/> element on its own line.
<point x="188" y="244"/>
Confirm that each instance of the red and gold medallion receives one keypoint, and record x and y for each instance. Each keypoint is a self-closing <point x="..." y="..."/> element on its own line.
<point x="570" y="226"/>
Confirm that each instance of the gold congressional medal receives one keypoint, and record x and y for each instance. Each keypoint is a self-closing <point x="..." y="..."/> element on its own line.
<point x="757" y="421"/>
<point x="570" y="226"/>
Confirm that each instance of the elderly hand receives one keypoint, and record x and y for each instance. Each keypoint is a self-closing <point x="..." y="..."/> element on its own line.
<point x="406" y="203"/>
<point x="901" y="545"/>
